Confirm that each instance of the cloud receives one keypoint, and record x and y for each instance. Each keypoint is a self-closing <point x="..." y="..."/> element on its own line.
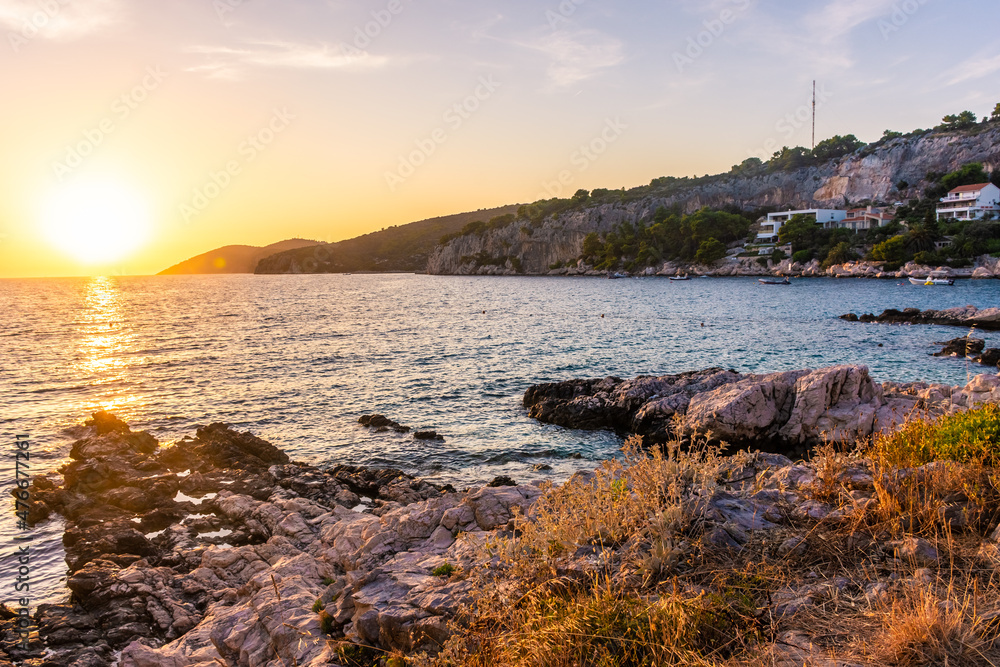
<point x="231" y="63"/>
<point x="58" y="19"/>
<point x="839" y="17"/>
<point x="973" y="68"/>
<point x="577" y="55"/>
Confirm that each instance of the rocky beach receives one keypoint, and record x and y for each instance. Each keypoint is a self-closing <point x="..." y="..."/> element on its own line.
<point x="219" y="550"/>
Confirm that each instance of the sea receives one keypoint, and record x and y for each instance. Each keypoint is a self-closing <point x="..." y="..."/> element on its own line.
<point x="297" y="359"/>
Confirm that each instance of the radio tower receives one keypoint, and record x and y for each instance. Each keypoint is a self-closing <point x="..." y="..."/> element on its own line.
<point x="814" y="114"/>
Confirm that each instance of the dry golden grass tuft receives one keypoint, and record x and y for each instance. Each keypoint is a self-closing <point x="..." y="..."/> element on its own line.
<point x="922" y="627"/>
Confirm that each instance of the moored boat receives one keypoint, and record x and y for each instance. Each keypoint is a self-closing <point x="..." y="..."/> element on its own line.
<point x="784" y="281"/>
<point x="684" y="277"/>
<point x="935" y="278"/>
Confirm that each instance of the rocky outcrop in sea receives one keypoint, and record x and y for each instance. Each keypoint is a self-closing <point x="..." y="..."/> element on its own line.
<point x="987" y="319"/>
<point x="788" y="411"/>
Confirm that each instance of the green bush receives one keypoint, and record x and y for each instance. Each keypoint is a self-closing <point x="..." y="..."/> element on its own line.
<point x="445" y="570"/>
<point x="927" y="258"/>
<point x="802" y="256"/>
<point x="972" y="436"/>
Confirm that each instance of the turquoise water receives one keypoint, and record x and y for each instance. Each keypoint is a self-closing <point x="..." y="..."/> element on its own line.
<point x="297" y="359"/>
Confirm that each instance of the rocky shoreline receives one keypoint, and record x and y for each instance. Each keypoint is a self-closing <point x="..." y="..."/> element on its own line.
<point x="218" y="549"/>
<point x="987" y="319"/>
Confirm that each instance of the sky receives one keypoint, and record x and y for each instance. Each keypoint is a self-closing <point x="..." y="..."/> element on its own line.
<point x="137" y="134"/>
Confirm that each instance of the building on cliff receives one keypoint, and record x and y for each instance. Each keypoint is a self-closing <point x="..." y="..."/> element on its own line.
<point x="829" y="218"/>
<point x="863" y="219"/>
<point x="970" y="202"/>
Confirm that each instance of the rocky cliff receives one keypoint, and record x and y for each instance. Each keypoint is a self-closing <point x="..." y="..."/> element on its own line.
<point x="870" y="174"/>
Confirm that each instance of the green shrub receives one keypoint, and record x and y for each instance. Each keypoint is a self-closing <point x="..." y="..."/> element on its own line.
<point x="325" y="622"/>
<point x="318" y="606"/>
<point x="445" y="570"/>
<point x="802" y="256"/>
<point x="972" y="436"/>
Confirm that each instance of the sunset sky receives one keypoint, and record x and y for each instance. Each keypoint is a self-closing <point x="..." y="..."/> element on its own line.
<point x="212" y="122"/>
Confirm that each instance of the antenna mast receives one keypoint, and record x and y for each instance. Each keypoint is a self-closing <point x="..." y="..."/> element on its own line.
<point x="814" y="114"/>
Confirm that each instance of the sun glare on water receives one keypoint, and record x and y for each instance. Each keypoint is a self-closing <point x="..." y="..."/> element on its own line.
<point x="96" y="222"/>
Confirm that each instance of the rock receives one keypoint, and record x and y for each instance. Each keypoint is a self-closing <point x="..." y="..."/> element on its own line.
<point x="961" y="347"/>
<point x="916" y="551"/>
<point x="793" y="408"/>
<point x="501" y="481"/>
<point x="990" y="357"/>
<point x="987" y="319"/>
<point x="381" y="422"/>
<point x="428" y="435"/>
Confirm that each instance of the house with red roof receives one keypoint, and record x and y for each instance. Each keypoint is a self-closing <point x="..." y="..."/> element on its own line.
<point x="970" y="202"/>
<point x="863" y="219"/>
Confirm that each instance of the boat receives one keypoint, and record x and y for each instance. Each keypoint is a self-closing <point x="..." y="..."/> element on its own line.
<point x="617" y="276"/>
<point x="785" y="281"/>
<point x="684" y="277"/>
<point x="935" y="278"/>
<point x="932" y="281"/>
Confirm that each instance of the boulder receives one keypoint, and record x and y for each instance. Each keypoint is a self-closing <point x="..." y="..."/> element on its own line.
<point x="961" y="347"/>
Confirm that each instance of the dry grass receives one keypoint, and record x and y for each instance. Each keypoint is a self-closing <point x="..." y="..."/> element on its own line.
<point x="922" y="627"/>
<point x="614" y="569"/>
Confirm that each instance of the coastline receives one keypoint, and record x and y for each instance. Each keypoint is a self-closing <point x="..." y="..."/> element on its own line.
<point x="219" y="548"/>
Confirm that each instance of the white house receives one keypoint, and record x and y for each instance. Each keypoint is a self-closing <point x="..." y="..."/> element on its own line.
<point x="970" y="202"/>
<point x="828" y="218"/>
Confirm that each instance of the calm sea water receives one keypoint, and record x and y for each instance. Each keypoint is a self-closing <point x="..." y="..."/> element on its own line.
<point x="297" y="359"/>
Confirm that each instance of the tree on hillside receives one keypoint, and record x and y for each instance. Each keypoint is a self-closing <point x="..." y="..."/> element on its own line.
<point x="801" y="231"/>
<point x="893" y="250"/>
<point x="839" y="254"/>
<point x="837" y="146"/>
<point x="962" y="121"/>
<point x="748" y="167"/>
<point x="710" y="251"/>
<point x="970" y="174"/>
<point x="996" y="113"/>
<point x="592" y="245"/>
<point x="788" y="159"/>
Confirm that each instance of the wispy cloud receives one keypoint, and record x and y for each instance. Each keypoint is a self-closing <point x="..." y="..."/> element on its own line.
<point x="839" y="17"/>
<point x="59" y="19"/>
<point x="976" y="67"/>
<point x="578" y="54"/>
<point x="223" y="62"/>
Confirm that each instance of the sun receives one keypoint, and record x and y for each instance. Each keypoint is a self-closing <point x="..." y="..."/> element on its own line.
<point x="96" y="222"/>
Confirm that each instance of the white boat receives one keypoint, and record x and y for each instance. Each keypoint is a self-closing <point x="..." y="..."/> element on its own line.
<point x="932" y="280"/>
<point x="784" y="281"/>
<point x="684" y="277"/>
<point x="939" y="277"/>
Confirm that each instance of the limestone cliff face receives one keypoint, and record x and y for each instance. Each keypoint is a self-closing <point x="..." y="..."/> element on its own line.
<point x="865" y="175"/>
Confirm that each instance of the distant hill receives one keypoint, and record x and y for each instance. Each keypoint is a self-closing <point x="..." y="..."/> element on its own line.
<point x="404" y="248"/>
<point x="233" y="258"/>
